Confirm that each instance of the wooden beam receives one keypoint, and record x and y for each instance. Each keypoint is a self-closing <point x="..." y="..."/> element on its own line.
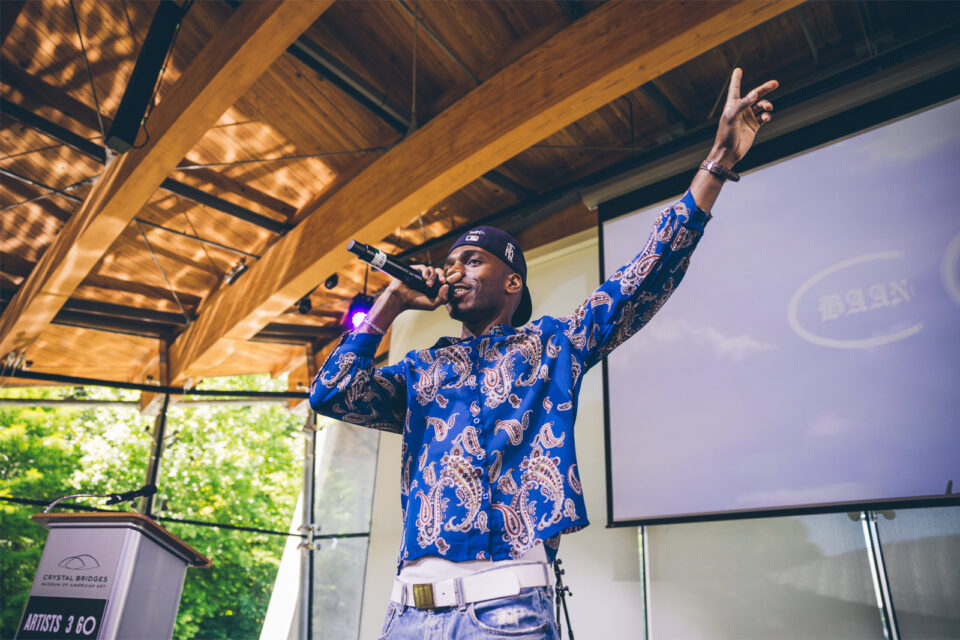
<point x="247" y="44"/>
<point x="610" y="51"/>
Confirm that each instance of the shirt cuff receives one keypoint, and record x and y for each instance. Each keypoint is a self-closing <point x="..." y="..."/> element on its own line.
<point x="696" y="218"/>
<point x="362" y="344"/>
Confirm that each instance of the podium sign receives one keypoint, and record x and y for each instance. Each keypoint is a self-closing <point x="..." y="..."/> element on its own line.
<point x="106" y="575"/>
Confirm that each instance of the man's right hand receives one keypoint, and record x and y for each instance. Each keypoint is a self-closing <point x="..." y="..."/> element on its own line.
<point x="406" y="298"/>
<point x="398" y="297"/>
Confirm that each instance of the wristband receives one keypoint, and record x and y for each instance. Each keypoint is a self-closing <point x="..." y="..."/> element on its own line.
<point x="720" y="171"/>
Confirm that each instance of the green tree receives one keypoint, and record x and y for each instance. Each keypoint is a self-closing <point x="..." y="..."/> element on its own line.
<point x="226" y="464"/>
<point x="35" y="461"/>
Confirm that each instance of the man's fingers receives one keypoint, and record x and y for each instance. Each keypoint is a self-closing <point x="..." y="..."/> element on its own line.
<point x="733" y="93"/>
<point x="442" y="294"/>
<point x="751" y="99"/>
<point x="766" y="88"/>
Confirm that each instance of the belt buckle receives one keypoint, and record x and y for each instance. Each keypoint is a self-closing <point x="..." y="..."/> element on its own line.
<point x="423" y="596"/>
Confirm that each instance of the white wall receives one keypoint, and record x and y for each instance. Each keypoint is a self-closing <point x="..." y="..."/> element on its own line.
<point x="602" y="564"/>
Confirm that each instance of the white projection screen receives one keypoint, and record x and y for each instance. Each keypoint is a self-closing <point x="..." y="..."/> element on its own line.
<point x="810" y="360"/>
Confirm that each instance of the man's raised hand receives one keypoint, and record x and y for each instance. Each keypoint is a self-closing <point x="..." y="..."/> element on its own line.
<point x="741" y="119"/>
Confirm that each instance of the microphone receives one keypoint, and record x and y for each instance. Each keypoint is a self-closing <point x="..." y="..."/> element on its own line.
<point x="393" y="267"/>
<point x="146" y="490"/>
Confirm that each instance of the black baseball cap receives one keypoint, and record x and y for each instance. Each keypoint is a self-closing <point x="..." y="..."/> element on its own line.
<point x="507" y="249"/>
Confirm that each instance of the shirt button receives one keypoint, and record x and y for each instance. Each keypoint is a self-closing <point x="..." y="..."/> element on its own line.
<point x="476" y="421"/>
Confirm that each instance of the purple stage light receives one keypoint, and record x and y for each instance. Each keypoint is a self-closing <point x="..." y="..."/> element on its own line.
<point x="359" y="308"/>
<point x="357" y="318"/>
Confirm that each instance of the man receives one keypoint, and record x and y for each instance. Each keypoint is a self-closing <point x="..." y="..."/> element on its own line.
<point x="489" y="474"/>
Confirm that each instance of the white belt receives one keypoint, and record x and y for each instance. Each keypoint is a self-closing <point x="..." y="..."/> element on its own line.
<point x="485" y="585"/>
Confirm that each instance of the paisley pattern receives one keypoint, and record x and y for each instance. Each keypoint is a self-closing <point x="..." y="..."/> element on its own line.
<point x="547" y="439"/>
<point x="514" y="428"/>
<point x="488" y="459"/>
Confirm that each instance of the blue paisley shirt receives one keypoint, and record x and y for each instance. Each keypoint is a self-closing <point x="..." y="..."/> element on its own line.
<point x="488" y="465"/>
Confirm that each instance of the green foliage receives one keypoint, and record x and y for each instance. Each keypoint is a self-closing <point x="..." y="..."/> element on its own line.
<point x="228" y="464"/>
<point x="35" y="461"/>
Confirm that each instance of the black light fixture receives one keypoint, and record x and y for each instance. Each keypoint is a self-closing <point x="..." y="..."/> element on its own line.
<point x="304" y="305"/>
<point x="331" y="282"/>
<point x="141" y="87"/>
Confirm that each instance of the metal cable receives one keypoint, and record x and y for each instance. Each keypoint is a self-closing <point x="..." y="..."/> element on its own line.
<point x="212" y="243"/>
<point x="301" y="156"/>
<point x="86" y="62"/>
<point x="163" y="273"/>
<point x="203" y="246"/>
<point x="52" y="192"/>
<point x="723" y="89"/>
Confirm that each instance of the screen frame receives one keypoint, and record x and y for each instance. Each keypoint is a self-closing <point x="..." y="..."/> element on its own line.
<point x="901" y="104"/>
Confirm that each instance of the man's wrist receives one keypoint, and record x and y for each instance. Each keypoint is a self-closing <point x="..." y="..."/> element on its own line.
<point x="385" y="310"/>
<point x="723" y="157"/>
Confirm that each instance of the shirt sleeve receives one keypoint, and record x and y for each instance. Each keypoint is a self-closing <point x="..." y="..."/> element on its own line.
<point x="348" y="387"/>
<point x="630" y="297"/>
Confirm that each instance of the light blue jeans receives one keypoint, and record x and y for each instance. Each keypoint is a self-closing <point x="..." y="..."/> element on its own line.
<point x="526" y="616"/>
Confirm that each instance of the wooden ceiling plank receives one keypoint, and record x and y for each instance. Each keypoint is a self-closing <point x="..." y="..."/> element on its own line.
<point x="39" y="92"/>
<point x="241" y="51"/>
<point x="542" y="92"/>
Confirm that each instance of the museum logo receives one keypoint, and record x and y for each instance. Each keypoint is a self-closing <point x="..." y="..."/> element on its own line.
<point x="82" y="562"/>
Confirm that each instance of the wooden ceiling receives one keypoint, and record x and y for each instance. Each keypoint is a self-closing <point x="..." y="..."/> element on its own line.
<point x="283" y="129"/>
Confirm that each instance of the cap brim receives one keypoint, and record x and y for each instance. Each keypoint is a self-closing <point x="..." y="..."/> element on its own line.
<point x="524" y="310"/>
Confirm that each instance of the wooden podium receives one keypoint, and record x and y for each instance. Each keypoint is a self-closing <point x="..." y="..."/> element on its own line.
<point x="106" y="576"/>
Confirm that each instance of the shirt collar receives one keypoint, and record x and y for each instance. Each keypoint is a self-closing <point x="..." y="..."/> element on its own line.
<point x="495" y="330"/>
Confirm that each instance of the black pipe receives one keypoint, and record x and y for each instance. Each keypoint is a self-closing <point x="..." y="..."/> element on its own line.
<point x="34" y="183"/>
<point x="197" y="523"/>
<point x="176" y="391"/>
<point x="157" y="453"/>
<point x="55" y="131"/>
<point x="214" y="202"/>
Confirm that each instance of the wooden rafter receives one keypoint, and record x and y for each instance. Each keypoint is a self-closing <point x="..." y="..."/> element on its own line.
<point x="611" y="51"/>
<point x="247" y="44"/>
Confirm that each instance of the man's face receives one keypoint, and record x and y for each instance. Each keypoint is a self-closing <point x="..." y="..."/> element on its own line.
<point x="480" y="284"/>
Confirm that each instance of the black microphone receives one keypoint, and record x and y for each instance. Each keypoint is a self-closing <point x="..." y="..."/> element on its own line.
<point x="145" y="490"/>
<point x="393" y="267"/>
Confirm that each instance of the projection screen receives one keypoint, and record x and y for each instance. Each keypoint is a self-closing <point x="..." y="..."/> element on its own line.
<point x="811" y="356"/>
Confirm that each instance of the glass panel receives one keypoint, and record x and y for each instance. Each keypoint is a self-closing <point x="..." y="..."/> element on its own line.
<point x="338" y="570"/>
<point x="921" y="548"/>
<point x="346" y="468"/>
<point x="797" y="577"/>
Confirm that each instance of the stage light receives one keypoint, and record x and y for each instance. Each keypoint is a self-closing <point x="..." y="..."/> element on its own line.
<point x="304" y="305"/>
<point x="359" y="308"/>
<point x="331" y="282"/>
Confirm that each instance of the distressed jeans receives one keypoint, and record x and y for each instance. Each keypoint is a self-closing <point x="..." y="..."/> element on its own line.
<point x="525" y="616"/>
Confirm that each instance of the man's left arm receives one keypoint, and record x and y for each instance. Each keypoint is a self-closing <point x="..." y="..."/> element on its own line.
<point x="635" y="292"/>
